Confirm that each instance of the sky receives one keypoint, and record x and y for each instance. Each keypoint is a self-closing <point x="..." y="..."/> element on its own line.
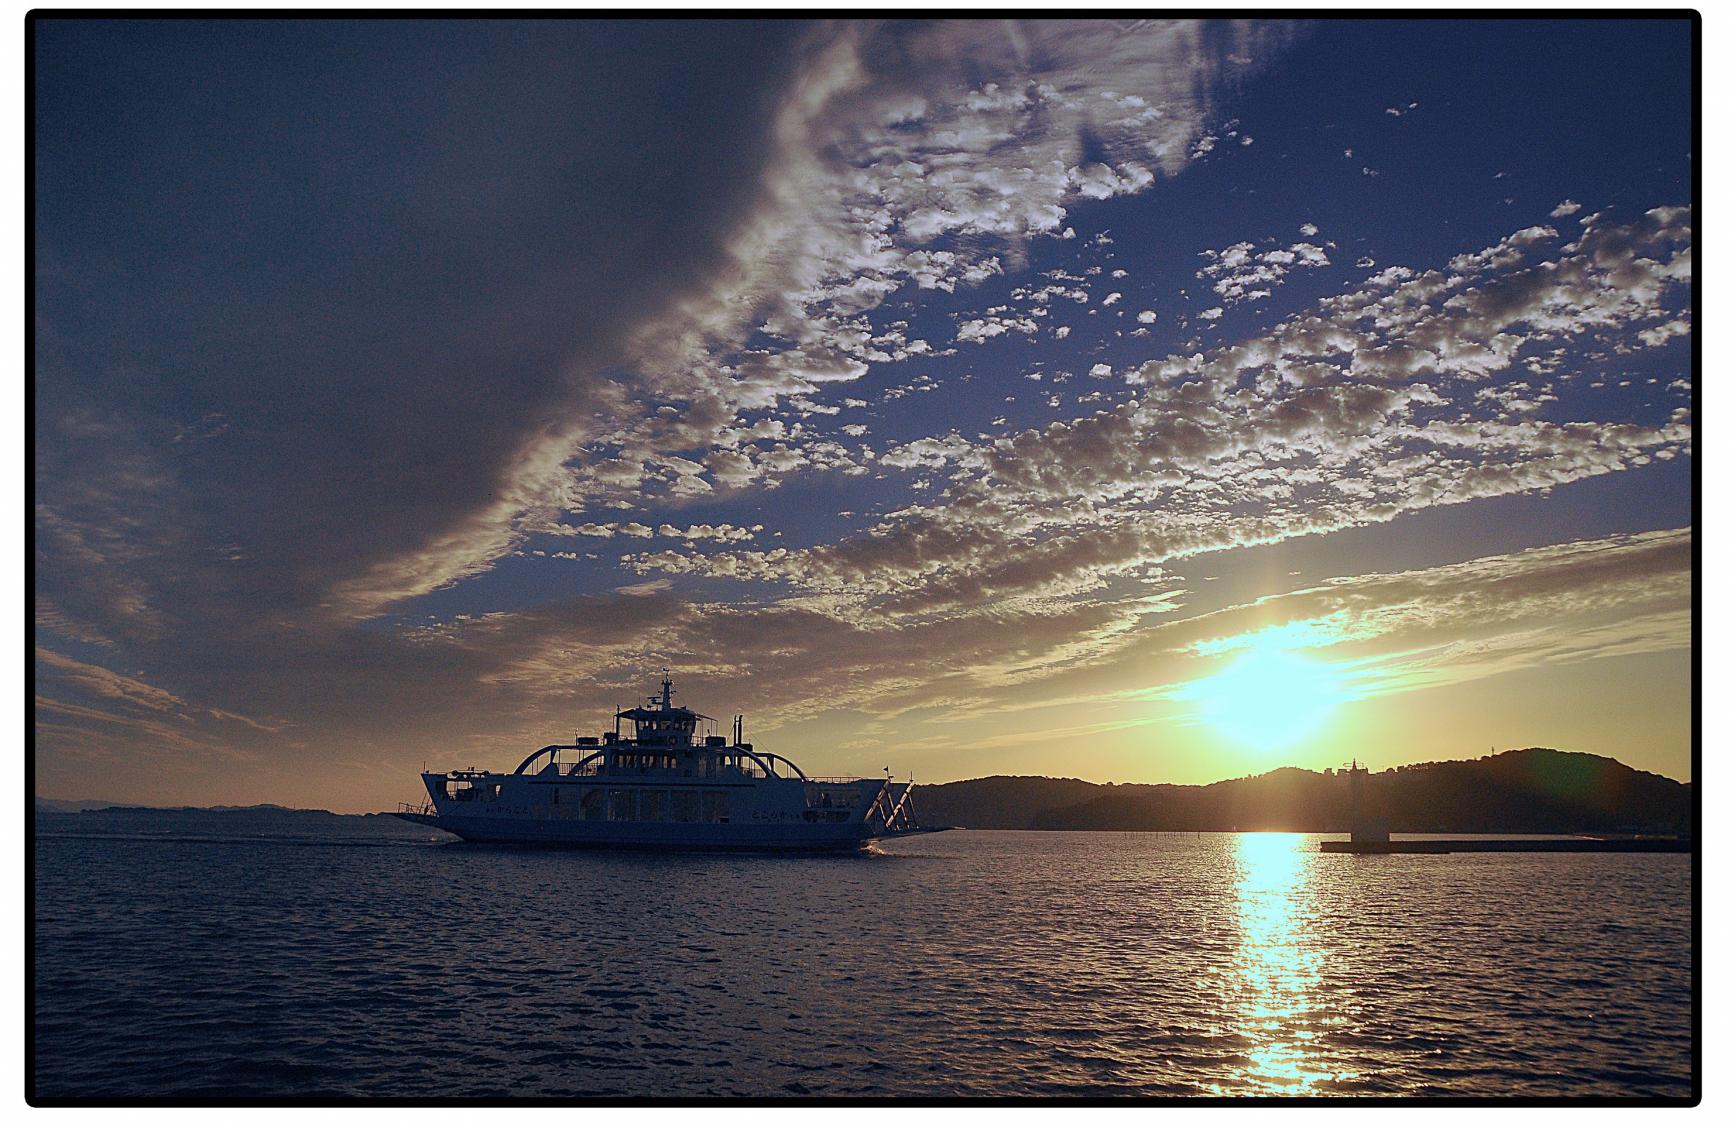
<point x="1129" y="400"/>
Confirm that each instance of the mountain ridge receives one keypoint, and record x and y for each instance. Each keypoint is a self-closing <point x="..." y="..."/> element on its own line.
<point x="1526" y="790"/>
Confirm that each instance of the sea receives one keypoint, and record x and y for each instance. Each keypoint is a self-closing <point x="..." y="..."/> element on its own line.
<point x="395" y="962"/>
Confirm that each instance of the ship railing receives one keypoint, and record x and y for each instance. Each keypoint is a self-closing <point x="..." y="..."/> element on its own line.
<point x="835" y="780"/>
<point x="415" y="808"/>
<point x="749" y="771"/>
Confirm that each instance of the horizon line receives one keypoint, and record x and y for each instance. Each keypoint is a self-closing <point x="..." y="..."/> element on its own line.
<point x="951" y="782"/>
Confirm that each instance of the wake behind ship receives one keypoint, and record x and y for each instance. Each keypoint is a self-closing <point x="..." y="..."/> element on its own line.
<point x="663" y="787"/>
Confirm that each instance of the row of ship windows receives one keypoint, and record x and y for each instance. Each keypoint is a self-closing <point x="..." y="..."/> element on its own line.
<point x="623" y="761"/>
<point x="615" y="804"/>
<point x="624" y="804"/>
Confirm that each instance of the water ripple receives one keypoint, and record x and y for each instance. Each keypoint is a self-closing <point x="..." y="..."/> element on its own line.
<point x="967" y="964"/>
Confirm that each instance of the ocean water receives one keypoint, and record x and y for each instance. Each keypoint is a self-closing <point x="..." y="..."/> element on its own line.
<point x="956" y="964"/>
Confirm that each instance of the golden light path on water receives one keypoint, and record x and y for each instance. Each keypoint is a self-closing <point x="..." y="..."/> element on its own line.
<point x="1277" y="969"/>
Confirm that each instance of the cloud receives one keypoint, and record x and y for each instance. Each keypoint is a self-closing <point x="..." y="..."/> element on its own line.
<point x="1388" y="632"/>
<point x="1657" y="335"/>
<point x="1358" y="411"/>
<point x="926" y="453"/>
<point x="129" y="693"/>
<point x="980" y="329"/>
<point x="1567" y="602"/>
<point x="1241" y="273"/>
<point x="406" y="345"/>
<point x="893" y="167"/>
<point x="1503" y="254"/>
<point x="90" y="717"/>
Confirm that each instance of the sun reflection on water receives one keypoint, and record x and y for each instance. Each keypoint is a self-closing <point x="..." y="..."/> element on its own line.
<point x="1277" y="970"/>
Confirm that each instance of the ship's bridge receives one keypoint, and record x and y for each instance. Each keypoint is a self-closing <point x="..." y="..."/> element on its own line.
<point x="663" y="742"/>
<point x="668" y="727"/>
<point x="663" y="723"/>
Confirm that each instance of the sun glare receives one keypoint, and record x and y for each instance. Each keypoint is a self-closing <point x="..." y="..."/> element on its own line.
<point x="1269" y="698"/>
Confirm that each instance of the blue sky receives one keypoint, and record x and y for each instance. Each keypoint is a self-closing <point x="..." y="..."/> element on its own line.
<point x="970" y="391"/>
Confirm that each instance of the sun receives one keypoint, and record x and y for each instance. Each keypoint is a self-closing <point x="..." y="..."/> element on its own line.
<point x="1269" y="698"/>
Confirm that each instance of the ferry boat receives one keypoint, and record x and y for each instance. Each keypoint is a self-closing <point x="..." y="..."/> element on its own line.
<point x="665" y="787"/>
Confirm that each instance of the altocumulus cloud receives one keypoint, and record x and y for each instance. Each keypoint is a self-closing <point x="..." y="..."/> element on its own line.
<point x="1362" y="410"/>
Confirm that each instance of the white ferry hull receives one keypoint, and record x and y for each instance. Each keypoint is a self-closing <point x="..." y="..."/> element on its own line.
<point x="822" y="838"/>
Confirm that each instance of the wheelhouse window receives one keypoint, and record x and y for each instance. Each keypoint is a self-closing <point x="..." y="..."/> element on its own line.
<point x="464" y="790"/>
<point x="590" y="804"/>
<point x="685" y="806"/>
<point x="622" y="805"/>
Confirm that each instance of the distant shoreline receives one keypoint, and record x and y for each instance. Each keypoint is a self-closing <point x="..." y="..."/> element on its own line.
<point x="1526" y="791"/>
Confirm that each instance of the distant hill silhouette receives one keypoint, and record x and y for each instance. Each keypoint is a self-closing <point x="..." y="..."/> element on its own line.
<point x="1534" y="790"/>
<point x="261" y="821"/>
<point x="73" y="805"/>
